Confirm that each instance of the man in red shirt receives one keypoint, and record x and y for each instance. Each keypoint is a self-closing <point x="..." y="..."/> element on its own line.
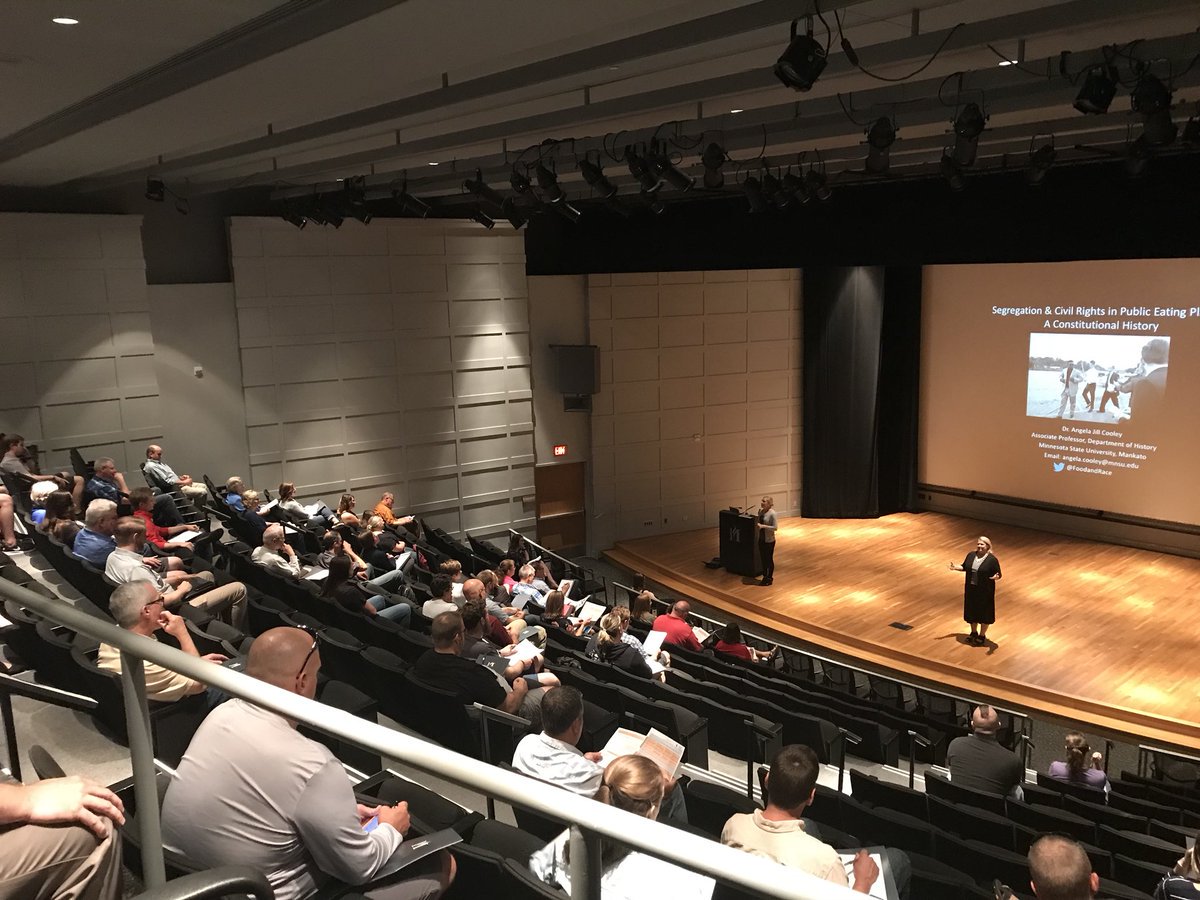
<point x="675" y="625"/>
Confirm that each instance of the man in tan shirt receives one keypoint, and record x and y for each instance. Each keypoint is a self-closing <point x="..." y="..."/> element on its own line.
<point x="778" y="832"/>
<point x="138" y="608"/>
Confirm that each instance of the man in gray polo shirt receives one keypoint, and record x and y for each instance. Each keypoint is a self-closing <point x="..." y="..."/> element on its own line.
<point x="977" y="761"/>
<point x="253" y="791"/>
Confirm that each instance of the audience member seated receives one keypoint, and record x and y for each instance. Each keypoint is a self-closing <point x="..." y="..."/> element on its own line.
<point x="552" y="755"/>
<point x="345" y="511"/>
<point x="614" y="651"/>
<point x="441" y="599"/>
<point x="38" y="492"/>
<point x="518" y="551"/>
<point x="1059" y="869"/>
<point x="161" y="472"/>
<point x="107" y="482"/>
<point x="252" y="791"/>
<point x="634" y="784"/>
<point x="977" y="760"/>
<point x="498" y="607"/>
<point x="676" y="627"/>
<point x="126" y="564"/>
<point x="500" y="634"/>
<point x="453" y="570"/>
<point x="8" y="529"/>
<point x="16" y="461"/>
<point x="476" y="646"/>
<point x="94" y="542"/>
<point x="332" y="545"/>
<point x="392" y="549"/>
<point x="342" y="588"/>
<point x="251" y="502"/>
<point x="659" y="655"/>
<point x="542" y="579"/>
<point x="444" y="667"/>
<point x="504" y="572"/>
<point x="1081" y="765"/>
<point x="1181" y="883"/>
<point x="233" y="492"/>
<point x="139" y="609"/>
<point x="142" y="501"/>
<point x="524" y="587"/>
<point x="275" y="554"/>
<point x="57" y="839"/>
<point x="287" y="500"/>
<point x="555" y="617"/>
<point x="731" y="642"/>
<point x="643" y="612"/>
<point x="778" y="831"/>
<point x="383" y="509"/>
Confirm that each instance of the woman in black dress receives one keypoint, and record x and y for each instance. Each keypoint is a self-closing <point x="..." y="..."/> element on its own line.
<point x="979" y="593"/>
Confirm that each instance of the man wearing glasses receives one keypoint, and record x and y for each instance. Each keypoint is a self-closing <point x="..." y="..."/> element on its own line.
<point x="251" y="790"/>
<point x="138" y="608"/>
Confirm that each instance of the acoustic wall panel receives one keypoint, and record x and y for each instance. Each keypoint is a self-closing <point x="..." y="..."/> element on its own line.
<point x="75" y="325"/>
<point x="700" y="372"/>
<point x="393" y="356"/>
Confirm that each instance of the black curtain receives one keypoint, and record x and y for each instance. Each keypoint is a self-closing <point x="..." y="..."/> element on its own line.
<point x="862" y="329"/>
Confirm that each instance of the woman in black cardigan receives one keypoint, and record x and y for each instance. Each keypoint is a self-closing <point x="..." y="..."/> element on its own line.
<point x="979" y="592"/>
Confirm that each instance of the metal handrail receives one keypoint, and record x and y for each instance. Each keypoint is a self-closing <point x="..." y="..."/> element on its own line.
<point x="590" y="822"/>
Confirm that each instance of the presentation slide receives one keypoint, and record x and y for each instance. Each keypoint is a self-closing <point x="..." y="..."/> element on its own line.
<point x="1066" y="383"/>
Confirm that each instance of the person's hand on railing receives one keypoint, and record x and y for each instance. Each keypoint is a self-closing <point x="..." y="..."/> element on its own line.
<point x="59" y="801"/>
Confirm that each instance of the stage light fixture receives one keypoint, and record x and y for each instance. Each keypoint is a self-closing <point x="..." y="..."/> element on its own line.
<point x="480" y="188"/>
<point x="1040" y="162"/>
<point x="649" y="181"/>
<point x="1137" y="157"/>
<point x="818" y="185"/>
<point x="1152" y="100"/>
<point x="712" y="159"/>
<point x="519" y="182"/>
<point x="597" y="180"/>
<point x="566" y="210"/>
<point x="803" y="61"/>
<point x="410" y="204"/>
<point x="156" y="190"/>
<point x="1097" y="92"/>
<point x="515" y="215"/>
<point x="478" y="215"/>
<point x="796" y="188"/>
<point x="773" y="190"/>
<point x="315" y="213"/>
<point x="880" y="137"/>
<point x="754" y="195"/>
<point x="333" y="218"/>
<point x="952" y="172"/>
<point x="294" y="218"/>
<point x="968" y="126"/>
<point x="548" y="185"/>
<point x="661" y="167"/>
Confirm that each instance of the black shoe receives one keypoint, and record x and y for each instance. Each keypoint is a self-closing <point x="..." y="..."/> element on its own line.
<point x="973" y="639"/>
<point x="767" y="581"/>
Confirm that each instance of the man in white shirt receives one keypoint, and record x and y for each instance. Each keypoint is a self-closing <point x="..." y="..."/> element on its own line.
<point x="442" y="598"/>
<point x="126" y="564"/>
<point x="276" y="554"/>
<point x="552" y="755"/>
<point x="138" y="608"/>
<point x="161" y="472"/>
<point x="524" y="587"/>
<point x="253" y="791"/>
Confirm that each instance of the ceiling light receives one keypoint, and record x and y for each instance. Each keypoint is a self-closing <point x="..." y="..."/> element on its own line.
<point x="515" y="215"/>
<point x="1098" y="90"/>
<point x="480" y="188"/>
<point x="968" y="126"/>
<point x="754" y="195"/>
<point x="880" y="138"/>
<point x="156" y="190"/>
<point x="410" y="204"/>
<point x="649" y="181"/>
<point x="952" y="172"/>
<point x="597" y="180"/>
<point x="433" y="164"/>
<point x="802" y="62"/>
<point x="64" y="20"/>
<point x="1040" y="162"/>
<point x="712" y="159"/>
<point x="478" y="215"/>
<point x="736" y="111"/>
<point x="818" y="185"/>
<point x="1007" y="62"/>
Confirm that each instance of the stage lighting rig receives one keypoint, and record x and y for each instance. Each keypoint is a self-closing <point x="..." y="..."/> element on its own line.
<point x="638" y="168"/>
<point x="968" y="126"/>
<point x="713" y="159"/>
<point x="520" y="183"/>
<point x="880" y="137"/>
<point x="953" y="173"/>
<point x="548" y="185"/>
<point x="660" y="166"/>
<point x="1040" y="161"/>
<point x="1152" y="100"/>
<point x="292" y="217"/>
<point x="156" y="190"/>
<point x="515" y="215"/>
<point x="1098" y="89"/>
<point x="480" y="188"/>
<point x="597" y="180"/>
<point x="803" y="61"/>
<point x="754" y="194"/>
<point x="478" y="215"/>
<point x="817" y="184"/>
<point x="410" y="204"/>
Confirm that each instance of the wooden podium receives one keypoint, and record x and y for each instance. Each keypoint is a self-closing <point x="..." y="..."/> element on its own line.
<point x="738" y="546"/>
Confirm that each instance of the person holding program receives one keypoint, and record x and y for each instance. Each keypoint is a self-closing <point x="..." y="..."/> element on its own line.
<point x="979" y="591"/>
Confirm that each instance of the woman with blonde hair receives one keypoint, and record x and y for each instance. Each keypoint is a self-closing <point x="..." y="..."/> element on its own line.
<point x="979" y="592"/>
<point x="1081" y="765"/>
<point x="635" y="785"/>
<point x="616" y="652"/>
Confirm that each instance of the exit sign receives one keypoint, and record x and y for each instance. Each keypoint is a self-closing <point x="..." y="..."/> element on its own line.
<point x="560" y="449"/>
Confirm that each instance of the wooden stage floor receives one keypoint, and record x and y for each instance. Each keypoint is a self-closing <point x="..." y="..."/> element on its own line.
<point x="1085" y="632"/>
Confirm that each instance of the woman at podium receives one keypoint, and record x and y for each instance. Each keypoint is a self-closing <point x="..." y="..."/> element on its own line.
<point x="766" y="526"/>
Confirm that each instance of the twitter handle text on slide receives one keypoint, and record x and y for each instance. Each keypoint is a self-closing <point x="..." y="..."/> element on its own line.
<point x="1091" y="451"/>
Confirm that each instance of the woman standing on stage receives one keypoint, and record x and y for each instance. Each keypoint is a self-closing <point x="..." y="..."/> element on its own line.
<point x="767" y="525"/>
<point x="979" y="592"/>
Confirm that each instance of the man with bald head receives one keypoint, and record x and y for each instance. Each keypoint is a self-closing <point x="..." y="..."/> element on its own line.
<point x="977" y="761"/>
<point x="251" y="790"/>
<point x="155" y="468"/>
<point x="1059" y="869"/>
<point x="675" y="625"/>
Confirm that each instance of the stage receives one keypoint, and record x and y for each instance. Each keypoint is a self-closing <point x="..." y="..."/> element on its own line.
<point x="1085" y="632"/>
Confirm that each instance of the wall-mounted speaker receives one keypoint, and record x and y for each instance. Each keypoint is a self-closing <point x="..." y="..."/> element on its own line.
<point x="576" y="368"/>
